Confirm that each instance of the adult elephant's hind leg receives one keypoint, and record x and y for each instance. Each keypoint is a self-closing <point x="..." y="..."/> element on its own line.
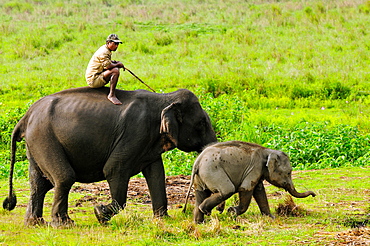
<point x="55" y="166"/>
<point x="60" y="204"/>
<point x="39" y="186"/>
<point x="64" y="178"/>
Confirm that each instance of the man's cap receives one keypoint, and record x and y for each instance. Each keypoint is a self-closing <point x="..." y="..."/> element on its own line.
<point x="114" y="37"/>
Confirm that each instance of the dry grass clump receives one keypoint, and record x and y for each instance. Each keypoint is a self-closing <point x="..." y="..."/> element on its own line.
<point x="289" y="208"/>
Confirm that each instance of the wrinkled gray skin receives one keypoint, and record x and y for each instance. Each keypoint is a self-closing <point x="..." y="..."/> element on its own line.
<point x="77" y="135"/>
<point x="223" y="169"/>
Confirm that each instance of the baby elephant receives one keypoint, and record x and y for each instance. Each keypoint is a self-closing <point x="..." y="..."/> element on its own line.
<point x="223" y="169"/>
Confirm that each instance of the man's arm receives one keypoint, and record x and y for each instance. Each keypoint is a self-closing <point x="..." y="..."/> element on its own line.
<point x="114" y="64"/>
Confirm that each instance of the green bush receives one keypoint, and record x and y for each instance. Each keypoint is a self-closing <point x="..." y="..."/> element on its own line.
<point x="335" y="90"/>
<point x="314" y="145"/>
<point x="7" y="122"/>
<point x="228" y="115"/>
<point x="301" y="91"/>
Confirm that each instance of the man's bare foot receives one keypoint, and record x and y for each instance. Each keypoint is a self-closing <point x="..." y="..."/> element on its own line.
<point x="114" y="100"/>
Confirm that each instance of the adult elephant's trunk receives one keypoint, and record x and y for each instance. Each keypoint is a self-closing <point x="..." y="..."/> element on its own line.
<point x="291" y="189"/>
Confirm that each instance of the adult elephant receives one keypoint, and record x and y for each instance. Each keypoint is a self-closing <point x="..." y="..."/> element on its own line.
<point x="77" y="135"/>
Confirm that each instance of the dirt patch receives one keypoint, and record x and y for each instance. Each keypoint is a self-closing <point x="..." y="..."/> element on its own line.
<point x="138" y="192"/>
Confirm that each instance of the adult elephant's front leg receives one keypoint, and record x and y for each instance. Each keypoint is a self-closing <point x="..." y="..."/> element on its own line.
<point x="118" y="185"/>
<point x="155" y="178"/>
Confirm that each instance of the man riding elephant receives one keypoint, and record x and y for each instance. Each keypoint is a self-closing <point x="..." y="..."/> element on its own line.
<point x="101" y="69"/>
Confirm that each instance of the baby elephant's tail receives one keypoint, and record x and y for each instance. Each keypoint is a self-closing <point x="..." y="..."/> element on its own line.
<point x="195" y="171"/>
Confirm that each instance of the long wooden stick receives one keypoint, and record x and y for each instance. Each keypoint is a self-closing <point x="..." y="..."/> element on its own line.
<point x="139" y="79"/>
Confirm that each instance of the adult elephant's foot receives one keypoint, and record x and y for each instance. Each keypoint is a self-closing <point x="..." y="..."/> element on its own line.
<point x="105" y="212"/>
<point x="39" y="221"/>
<point x="62" y="222"/>
<point x="161" y="212"/>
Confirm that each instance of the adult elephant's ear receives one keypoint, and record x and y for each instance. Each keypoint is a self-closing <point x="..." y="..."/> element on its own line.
<point x="170" y="119"/>
<point x="272" y="164"/>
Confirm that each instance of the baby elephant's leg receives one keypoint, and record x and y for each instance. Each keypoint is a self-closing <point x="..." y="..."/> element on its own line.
<point x="214" y="200"/>
<point x="221" y="207"/>
<point x="222" y="191"/>
<point x="245" y="198"/>
<point x="260" y="196"/>
<point x="200" y="195"/>
<point x="219" y="183"/>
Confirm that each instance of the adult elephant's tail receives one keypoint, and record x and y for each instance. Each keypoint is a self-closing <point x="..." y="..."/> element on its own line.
<point x="11" y="201"/>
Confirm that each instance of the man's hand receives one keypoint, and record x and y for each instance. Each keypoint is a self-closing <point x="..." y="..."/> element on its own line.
<point x="118" y="64"/>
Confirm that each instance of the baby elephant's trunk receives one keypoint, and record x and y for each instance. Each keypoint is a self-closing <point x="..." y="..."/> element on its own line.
<point x="296" y="194"/>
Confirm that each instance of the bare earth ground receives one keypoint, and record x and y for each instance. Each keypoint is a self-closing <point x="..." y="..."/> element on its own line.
<point x="177" y="187"/>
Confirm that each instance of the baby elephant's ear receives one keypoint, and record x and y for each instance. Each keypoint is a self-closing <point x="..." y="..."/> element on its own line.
<point x="272" y="164"/>
<point x="170" y="119"/>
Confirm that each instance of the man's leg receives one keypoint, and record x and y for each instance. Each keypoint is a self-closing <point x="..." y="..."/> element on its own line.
<point x="112" y="76"/>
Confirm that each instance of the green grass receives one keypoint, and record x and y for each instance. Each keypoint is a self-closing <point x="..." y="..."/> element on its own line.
<point x="341" y="198"/>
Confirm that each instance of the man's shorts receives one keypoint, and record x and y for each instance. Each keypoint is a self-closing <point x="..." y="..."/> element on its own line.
<point x="97" y="81"/>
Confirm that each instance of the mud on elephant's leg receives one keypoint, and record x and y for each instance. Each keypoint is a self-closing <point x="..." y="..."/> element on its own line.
<point x="245" y="198"/>
<point x="105" y="212"/>
<point x="259" y="194"/>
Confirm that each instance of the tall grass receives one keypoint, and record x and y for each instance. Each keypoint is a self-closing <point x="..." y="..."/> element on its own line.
<point x="264" y="71"/>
